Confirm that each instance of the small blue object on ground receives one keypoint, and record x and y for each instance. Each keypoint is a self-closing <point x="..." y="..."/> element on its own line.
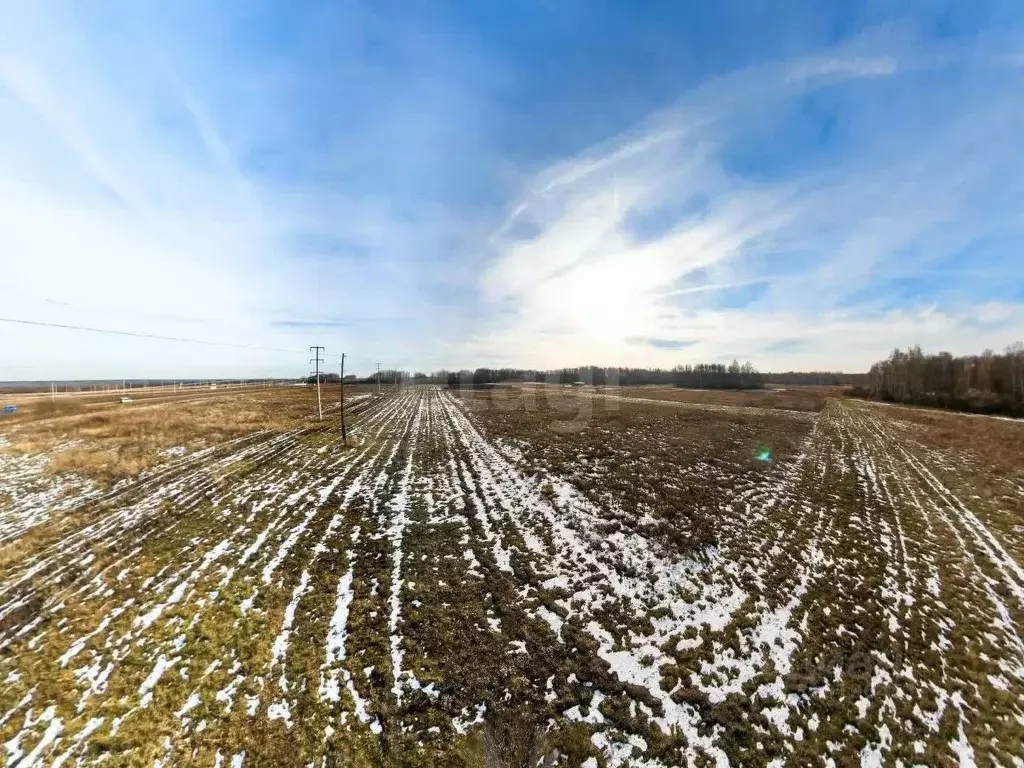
<point x="9" y="408"/>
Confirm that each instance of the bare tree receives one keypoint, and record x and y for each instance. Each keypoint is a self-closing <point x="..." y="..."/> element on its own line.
<point x="986" y="383"/>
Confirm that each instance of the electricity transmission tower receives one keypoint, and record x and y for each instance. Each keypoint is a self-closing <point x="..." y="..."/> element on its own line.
<point x="316" y="360"/>
<point x="378" y="378"/>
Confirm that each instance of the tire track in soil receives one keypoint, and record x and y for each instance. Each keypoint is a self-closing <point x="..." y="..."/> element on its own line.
<point x="276" y="601"/>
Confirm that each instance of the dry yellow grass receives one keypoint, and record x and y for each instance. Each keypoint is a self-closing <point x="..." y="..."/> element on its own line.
<point x="115" y="441"/>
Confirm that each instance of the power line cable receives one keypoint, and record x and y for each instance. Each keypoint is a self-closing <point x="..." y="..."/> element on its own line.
<point x="144" y="335"/>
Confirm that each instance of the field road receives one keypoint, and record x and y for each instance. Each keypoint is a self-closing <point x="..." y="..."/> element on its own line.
<point x="276" y="600"/>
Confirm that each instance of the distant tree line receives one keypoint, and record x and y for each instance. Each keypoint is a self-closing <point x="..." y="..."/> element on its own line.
<point x="816" y="378"/>
<point x="702" y="375"/>
<point x="388" y="377"/>
<point x="718" y="376"/>
<point x="699" y="376"/>
<point x="325" y="378"/>
<point x="985" y="383"/>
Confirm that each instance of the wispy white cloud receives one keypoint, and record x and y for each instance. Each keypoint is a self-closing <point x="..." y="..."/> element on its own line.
<point x="842" y="67"/>
<point x="162" y="172"/>
<point x="124" y="204"/>
<point x="578" y="280"/>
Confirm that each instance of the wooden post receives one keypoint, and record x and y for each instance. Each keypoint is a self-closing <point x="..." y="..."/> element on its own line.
<point x="341" y="389"/>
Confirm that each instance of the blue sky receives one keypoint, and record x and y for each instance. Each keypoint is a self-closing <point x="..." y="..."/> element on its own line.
<point x="804" y="185"/>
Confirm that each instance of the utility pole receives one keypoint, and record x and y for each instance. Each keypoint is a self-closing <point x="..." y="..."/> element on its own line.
<point x="341" y="390"/>
<point x="316" y="359"/>
<point x="378" y="378"/>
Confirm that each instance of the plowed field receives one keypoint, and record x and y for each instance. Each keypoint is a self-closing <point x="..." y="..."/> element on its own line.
<point x="623" y="582"/>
